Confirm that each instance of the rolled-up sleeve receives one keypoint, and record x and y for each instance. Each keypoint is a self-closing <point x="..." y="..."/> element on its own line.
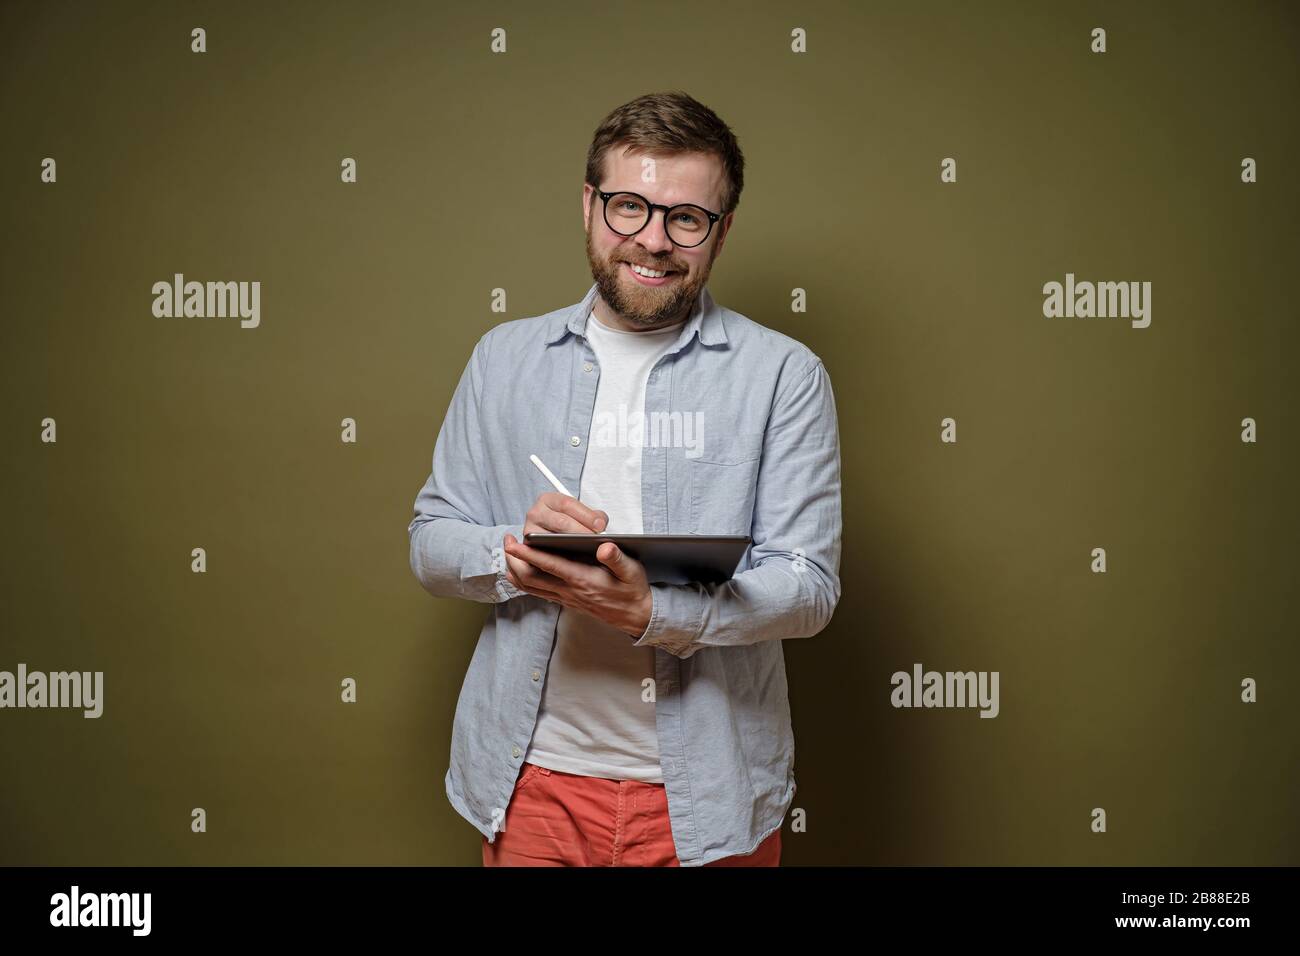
<point x="455" y="549"/>
<point x="793" y="586"/>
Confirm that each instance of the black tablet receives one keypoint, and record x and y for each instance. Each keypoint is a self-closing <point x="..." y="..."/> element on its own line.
<point x="668" y="558"/>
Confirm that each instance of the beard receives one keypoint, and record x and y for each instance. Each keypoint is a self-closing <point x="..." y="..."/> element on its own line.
<point x="647" y="307"/>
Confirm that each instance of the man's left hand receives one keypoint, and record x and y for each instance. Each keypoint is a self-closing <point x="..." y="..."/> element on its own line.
<point x="615" y="591"/>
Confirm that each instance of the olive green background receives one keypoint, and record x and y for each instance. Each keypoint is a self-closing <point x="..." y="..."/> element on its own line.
<point x="1118" y="690"/>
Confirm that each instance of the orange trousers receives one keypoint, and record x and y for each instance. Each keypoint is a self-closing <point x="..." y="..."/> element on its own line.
<point x="564" y="819"/>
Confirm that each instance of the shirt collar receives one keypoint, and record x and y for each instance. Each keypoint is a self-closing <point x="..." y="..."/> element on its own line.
<point x="706" y="318"/>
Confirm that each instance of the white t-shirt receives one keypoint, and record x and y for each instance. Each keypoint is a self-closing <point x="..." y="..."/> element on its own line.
<point x="594" y="719"/>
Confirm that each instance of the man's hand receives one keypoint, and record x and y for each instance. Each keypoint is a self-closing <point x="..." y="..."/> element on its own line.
<point x="615" y="592"/>
<point x="561" y="514"/>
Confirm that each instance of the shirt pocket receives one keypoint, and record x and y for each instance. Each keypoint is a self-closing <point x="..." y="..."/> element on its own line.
<point x="724" y="478"/>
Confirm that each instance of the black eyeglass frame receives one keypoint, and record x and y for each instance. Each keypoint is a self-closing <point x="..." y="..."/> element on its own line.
<point x="652" y="206"/>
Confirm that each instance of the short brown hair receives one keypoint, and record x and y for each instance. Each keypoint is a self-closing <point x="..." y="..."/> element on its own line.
<point x="669" y="123"/>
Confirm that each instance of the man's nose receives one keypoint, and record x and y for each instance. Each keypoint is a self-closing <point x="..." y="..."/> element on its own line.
<point x="654" y="235"/>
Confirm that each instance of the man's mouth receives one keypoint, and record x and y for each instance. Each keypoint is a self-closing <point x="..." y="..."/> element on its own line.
<point x="647" y="276"/>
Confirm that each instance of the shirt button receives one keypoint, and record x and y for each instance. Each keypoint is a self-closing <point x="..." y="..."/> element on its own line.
<point x="587" y="366"/>
<point x="537" y="675"/>
<point x="514" y="751"/>
<point x="575" y="440"/>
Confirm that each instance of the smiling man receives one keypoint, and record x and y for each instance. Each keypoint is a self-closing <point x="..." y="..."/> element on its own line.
<point x="605" y="719"/>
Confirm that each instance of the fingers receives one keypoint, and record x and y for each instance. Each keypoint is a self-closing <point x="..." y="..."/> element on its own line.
<point x="527" y="578"/>
<point x="560" y="513"/>
<point x="523" y="576"/>
<point x="555" y="569"/>
<point x="525" y="565"/>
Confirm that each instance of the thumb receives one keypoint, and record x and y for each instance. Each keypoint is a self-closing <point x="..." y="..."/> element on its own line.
<point x="614" y="559"/>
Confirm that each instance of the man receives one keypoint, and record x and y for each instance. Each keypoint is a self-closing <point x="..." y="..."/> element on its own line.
<point x="607" y="720"/>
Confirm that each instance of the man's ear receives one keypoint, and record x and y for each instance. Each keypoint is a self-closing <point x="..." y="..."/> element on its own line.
<point x="587" y="192"/>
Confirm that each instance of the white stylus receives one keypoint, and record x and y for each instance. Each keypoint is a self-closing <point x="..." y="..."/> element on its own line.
<point x="559" y="486"/>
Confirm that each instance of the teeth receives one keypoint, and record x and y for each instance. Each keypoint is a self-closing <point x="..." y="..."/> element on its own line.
<point x="648" y="273"/>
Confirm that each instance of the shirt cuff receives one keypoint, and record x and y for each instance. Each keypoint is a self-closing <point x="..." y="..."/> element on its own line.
<point x="504" y="588"/>
<point x="675" y="615"/>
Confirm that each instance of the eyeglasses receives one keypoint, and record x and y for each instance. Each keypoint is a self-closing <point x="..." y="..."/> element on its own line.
<point x="687" y="225"/>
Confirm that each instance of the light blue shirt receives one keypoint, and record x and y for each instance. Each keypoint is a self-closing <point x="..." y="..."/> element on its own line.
<point x="766" y="464"/>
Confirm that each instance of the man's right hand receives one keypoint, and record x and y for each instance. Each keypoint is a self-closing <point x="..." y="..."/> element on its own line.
<point x="559" y="513"/>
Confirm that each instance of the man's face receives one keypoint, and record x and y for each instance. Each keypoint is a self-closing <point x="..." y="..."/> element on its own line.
<point x="628" y="300"/>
